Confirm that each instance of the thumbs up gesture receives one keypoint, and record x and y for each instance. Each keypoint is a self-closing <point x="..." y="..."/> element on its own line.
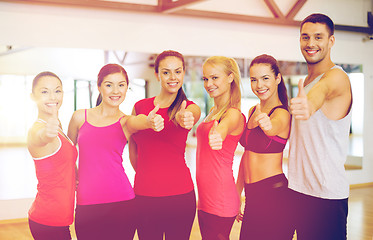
<point x="299" y="105"/>
<point x="184" y="117"/>
<point x="53" y="124"/>
<point x="263" y="120"/>
<point x="155" y="120"/>
<point x="215" y="139"/>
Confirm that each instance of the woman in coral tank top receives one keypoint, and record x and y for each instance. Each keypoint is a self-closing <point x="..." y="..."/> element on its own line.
<point x="105" y="198"/>
<point x="217" y="139"/>
<point x="54" y="156"/>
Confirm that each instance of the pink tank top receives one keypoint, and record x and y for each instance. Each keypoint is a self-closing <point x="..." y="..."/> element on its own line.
<point x="217" y="193"/>
<point x="101" y="174"/>
<point x="54" y="202"/>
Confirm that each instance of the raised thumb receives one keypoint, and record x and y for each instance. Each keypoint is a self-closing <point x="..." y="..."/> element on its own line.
<point x="214" y="127"/>
<point x="183" y="106"/>
<point x="301" y="92"/>
<point x="154" y="111"/>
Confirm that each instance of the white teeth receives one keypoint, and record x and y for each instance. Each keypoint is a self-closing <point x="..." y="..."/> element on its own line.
<point x="172" y="84"/>
<point x="262" y="91"/>
<point x="312" y="51"/>
<point x="51" y="104"/>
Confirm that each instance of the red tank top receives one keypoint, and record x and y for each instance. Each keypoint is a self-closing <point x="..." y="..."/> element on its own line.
<point x="161" y="168"/>
<point x="217" y="193"/>
<point x="54" y="202"/>
<point x="255" y="140"/>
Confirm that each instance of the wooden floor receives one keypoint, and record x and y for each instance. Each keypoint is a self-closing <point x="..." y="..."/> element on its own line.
<point x="360" y="221"/>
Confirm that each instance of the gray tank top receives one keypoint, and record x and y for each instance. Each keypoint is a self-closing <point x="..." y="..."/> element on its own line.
<point x="317" y="152"/>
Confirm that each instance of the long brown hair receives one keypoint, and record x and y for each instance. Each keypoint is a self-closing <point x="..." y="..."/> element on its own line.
<point x="107" y="70"/>
<point x="180" y="97"/>
<point x="281" y="89"/>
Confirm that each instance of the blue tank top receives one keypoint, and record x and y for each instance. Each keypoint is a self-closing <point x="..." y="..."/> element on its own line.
<point x="255" y="140"/>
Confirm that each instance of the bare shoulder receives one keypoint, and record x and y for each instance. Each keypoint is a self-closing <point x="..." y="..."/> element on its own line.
<point x="125" y="118"/>
<point x="195" y="109"/>
<point x="280" y="113"/>
<point x="337" y="78"/>
<point x="339" y="98"/>
<point x="251" y="109"/>
<point x="76" y="121"/>
<point x="78" y="116"/>
<point x="234" y="115"/>
<point x="193" y="106"/>
<point x="234" y="112"/>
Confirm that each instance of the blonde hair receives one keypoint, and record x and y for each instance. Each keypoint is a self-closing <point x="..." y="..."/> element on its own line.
<point x="230" y="66"/>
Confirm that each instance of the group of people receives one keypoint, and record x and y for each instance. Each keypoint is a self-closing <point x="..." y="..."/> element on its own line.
<point x="313" y="200"/>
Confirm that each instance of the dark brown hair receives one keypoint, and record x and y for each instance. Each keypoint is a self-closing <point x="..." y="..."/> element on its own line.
<point x="180" y="97"/>
<point x="281" y="89"/>
<point x="43" y="74"/>
<point x="107" y="70"/>
<point x="320" y="18"/>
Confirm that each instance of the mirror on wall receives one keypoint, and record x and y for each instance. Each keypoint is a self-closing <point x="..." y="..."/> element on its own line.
<point x="78" y="70"/>
<point x="292" y="72"/>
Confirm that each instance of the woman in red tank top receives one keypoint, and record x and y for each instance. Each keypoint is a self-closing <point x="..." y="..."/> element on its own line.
<point x="163" y="185"/>
<point x="264" y="138"/>
<point x="217" y="139"/>
<point x="54" y="156"/>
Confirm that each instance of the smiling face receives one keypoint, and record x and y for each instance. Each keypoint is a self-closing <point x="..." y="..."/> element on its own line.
<point x="113" y="89"/>
<point x="315" y="42"/>
<point x="171" y="74"/>
<point x="216" y="82"/>
<point x="47" y="94"/>
<point x="264" y="83"/>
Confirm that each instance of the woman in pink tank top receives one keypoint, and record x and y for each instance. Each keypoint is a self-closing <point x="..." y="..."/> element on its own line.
<point x="217" y="139"/>
<point x="105" y="198"/>
<point x="54" y="156"/>
<point x="268" y="126"/>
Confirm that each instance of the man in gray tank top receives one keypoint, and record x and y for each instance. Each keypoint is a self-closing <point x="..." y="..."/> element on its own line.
<point x="319" y="137"/>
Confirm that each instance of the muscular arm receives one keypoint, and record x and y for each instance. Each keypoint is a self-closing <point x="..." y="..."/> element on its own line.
<point x="332" y="93"/>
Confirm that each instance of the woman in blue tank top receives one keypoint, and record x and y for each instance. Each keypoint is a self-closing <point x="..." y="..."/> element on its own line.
<point x="264" y="139"/>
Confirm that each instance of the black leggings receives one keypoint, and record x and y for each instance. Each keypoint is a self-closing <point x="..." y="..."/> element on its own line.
<point x="267" y="215"/>
<point x="44" y="232"/>
<point x="317" y="218"/>
<point x="171" y="216"/>
<point x="213" y="227"/>
<point x="106" y="221"/>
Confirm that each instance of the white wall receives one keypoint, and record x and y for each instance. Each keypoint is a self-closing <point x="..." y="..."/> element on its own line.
<point x="46" y="26"/>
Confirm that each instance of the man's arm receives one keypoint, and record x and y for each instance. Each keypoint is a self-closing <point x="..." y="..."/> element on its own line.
<point x="332" y="92"/>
